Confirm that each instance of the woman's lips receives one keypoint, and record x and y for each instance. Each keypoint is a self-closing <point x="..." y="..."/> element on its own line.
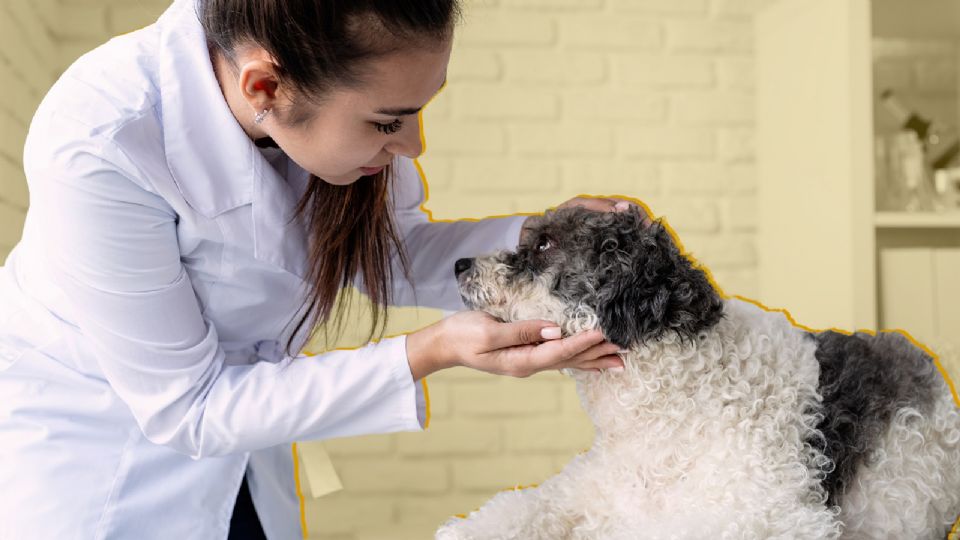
<point x="367" y="171"/>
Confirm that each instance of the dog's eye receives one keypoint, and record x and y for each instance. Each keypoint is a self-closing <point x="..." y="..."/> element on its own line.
<point x="543" y="244"/>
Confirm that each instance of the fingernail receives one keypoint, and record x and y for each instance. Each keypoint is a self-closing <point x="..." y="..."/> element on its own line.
<point x="622" y="205"/>
<point x="552" y="332"/>
<point x="616" y="369"/>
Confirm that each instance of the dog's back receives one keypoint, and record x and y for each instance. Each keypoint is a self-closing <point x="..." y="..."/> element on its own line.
<point x="891" y="430"/>
<point x="727" y="418"/>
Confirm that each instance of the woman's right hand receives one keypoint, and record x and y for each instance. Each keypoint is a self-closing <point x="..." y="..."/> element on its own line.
<point x="519" y="349"/>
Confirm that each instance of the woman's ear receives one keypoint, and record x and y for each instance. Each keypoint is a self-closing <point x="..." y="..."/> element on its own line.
<point x="258" y="83"/>
<point x="648" y="287"/>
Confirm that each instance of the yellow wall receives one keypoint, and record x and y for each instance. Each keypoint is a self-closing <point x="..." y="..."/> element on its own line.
<point x="546" y="99"/>
<point x="28" y="58"/>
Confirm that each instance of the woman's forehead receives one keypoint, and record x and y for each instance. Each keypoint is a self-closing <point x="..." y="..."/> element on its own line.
<point x="401" y="83"/>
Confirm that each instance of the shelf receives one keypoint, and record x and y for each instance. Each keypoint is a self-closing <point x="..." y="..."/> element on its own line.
<point x="917" y="220"/>
<point x="916" y="19"/>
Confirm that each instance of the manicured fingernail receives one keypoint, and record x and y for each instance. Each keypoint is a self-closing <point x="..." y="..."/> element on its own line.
<point x="552" y="332"/>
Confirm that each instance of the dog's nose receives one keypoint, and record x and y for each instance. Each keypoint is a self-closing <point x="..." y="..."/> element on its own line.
<point x="462" y="265"/>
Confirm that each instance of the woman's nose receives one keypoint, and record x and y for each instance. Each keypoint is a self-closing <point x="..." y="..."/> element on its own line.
<point x="462" y="265"/>
<point x="407" y="141"/>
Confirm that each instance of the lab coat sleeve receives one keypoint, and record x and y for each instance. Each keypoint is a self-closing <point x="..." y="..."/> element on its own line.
<point x="113" y="251"/>
<point x="434" y="246"/>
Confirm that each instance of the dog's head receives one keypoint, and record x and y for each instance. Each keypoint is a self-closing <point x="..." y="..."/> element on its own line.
<point x="583" y="269"/>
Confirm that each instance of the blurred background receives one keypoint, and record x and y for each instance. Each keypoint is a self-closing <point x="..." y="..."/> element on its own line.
<point x="803" y="150"/>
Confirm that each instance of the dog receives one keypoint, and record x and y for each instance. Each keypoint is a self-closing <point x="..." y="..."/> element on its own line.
<point x="728" y="420"/>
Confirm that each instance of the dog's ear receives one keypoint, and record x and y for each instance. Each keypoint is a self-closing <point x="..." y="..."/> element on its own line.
<point x="647" y="287"/>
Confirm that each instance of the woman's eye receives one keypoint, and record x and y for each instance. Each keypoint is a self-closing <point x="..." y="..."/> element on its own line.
<point x="389" y="128"/>
<point x="543" y="244"/>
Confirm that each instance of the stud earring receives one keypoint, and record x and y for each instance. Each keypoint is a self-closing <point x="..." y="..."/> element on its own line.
<point x="258" y="119"/>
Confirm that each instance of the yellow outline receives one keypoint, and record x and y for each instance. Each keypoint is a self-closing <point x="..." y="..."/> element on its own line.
<point x="426" y="399"/>
<point x="786" y="313"/>
<point x="303" y="504"/>
<point x="710" y="278"/>
<point x="680" y="247"/>
<point x="904" y="333"/>
<point x="423" y="176"/>
<point x="517" y="487"/>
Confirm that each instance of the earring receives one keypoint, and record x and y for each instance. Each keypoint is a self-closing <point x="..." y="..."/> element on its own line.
<point x="258" y="119"/>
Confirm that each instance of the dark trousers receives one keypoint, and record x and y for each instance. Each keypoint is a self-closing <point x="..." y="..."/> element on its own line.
<point x="244" y="524"/>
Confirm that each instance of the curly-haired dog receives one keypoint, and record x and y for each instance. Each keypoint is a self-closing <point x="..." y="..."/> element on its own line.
<point x="728" y="421"/>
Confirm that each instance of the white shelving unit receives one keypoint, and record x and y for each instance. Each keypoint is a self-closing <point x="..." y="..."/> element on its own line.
<point x="822" y="244"/>
<point x="917" y="220"/>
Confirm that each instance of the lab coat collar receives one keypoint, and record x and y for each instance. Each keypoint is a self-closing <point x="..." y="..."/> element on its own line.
<point x="213" y="162"/>
<point x="278" y="238"/>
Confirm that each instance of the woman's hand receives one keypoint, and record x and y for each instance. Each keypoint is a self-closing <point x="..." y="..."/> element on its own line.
<point x="477" y="340"/>
<point x="598" y="204"/>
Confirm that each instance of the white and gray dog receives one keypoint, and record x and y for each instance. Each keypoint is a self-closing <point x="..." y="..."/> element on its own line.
<point x="728" y="420"/>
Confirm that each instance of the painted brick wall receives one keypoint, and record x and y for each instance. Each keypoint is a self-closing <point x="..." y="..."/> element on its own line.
<point x="38" y="39"/>
<point x="546" y="99"/>
<point x="651" y="99"/>
<point x="28" y="54"/>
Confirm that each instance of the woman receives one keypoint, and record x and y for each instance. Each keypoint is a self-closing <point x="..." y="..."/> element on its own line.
<point x="200" y="191"/>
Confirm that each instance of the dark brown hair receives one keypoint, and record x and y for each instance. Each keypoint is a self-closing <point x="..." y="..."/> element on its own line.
<point x="319" y="45"/>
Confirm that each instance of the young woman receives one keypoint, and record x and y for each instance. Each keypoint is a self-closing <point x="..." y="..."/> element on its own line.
<point x="200" y="191"/>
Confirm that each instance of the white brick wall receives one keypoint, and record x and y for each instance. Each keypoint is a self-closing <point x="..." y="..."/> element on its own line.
<point x="38" y="40"/>
<point x="28" y="54"/>
<point x="547" y="99"/>
<point x="645" y="98"/>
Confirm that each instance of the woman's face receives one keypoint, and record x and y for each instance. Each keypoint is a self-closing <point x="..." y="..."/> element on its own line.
<point x="355" y="132"/>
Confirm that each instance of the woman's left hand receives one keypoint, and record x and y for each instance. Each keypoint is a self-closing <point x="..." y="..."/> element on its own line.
<point x="598" y="204"/>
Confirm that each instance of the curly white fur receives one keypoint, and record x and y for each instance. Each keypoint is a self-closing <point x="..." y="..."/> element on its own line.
<point x="708" y="440"/>
<point x="917" y="469"/>
<point x="713" y="430"/>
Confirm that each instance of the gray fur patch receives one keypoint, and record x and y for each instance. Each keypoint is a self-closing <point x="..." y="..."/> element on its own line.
<point x="864" y="380"/>
<point x="634" y="277"/>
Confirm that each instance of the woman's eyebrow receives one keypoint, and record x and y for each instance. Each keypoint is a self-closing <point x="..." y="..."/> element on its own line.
<point x="398" y="112"/>
<point x="404" y="112"/>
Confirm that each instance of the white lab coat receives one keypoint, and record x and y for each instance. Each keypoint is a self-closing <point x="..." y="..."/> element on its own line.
<point x="142" y="314"/>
